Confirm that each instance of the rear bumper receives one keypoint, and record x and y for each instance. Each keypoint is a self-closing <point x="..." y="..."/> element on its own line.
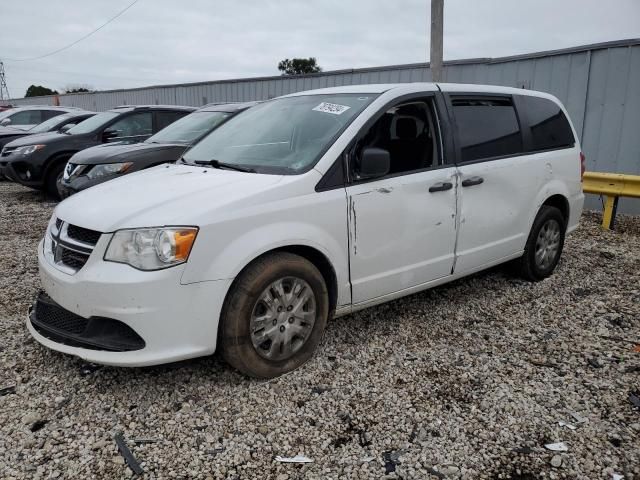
<point x="576" y="204"/>
<point x="174" y="321"/>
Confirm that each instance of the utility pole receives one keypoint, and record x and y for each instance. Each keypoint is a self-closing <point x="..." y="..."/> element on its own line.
<point x="4" y="90"/>
<point x="435" y="59"/>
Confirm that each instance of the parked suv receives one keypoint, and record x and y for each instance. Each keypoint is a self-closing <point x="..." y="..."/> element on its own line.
<point x="54" y="124"/>
<point x="105" y="162"/>
<point x="30" y="116"/>
<point x="302" y="208"/>
<point x="38" y="161"/>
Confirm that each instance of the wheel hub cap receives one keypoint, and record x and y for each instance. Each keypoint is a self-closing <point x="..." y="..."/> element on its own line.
<point x="283" y="318"/>
<point x="547" y="244"/>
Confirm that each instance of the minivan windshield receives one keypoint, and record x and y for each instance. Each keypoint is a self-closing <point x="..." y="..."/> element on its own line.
<point x="285" y="136"/>
<point x="189" y="128"/>
<point x="93" y="123"/>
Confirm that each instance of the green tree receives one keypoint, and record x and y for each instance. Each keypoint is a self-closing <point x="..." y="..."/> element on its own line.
<point x="78" y="89"/>
<point x="39" y="91"/>
<point x="299" y="66"/>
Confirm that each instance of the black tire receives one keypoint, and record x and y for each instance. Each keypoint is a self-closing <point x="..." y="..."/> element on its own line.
<point x="242" y="302"/>
<point x="530" y="267"/>
<point x="53" y="176"/>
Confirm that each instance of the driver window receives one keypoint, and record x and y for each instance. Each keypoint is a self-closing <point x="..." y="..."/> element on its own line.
<point x="408" y="132"/>
<point x="138" y="124"/>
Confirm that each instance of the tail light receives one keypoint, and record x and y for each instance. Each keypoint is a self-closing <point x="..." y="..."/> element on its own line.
<point x="582" y="166"/>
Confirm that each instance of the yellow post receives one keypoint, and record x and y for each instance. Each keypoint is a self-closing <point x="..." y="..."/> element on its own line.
<point x="609" y="212"/>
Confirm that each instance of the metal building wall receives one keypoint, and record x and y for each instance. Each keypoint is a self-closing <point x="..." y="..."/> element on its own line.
<point x="599" y="85"/>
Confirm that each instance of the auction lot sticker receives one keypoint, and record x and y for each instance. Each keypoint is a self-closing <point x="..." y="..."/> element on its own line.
<point x="332" y="108"/>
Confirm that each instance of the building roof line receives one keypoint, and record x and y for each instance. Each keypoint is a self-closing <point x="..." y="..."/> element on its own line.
<point x="468" y="61"/>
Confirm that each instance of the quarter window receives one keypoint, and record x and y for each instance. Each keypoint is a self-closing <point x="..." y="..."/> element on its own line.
<point x="549" y="126"/>
<point x="487" y="128"/>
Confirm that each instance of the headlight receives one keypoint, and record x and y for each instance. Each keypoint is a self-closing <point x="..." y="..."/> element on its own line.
<point x="28" y="149"/>
<point x="108" y="169"/>
<point x="151" y="248"/>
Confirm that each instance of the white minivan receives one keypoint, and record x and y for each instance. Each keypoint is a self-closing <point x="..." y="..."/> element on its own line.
<point x="303" y="208"/>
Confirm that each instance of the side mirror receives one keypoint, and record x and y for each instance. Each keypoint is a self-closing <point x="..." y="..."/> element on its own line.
<point x="5" y="122"/>
<point x="65" y="128"/>
<point x="374" y="163"/>
<point x="109" y="134"/>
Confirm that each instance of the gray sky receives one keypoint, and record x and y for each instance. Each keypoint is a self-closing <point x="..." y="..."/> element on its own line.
<point x="166" y="41"/>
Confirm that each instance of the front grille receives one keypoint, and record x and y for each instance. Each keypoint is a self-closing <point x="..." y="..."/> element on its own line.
<point x="71" y="245"/>
<point x="83" y="234"/>
<point x="95" y="333"/>
<point x="73" y="259"/>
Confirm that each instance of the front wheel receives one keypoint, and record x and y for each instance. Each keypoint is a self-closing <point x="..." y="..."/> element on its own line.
<point x="53" y="177"/>
<point x="544" y="245"/>
<point x="274" y="316"/>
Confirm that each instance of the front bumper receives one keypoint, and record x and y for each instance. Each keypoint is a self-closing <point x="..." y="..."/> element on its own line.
<point x="175" y="321"/>
<point x="20" y="171"/>
<point x="68" y="187"/>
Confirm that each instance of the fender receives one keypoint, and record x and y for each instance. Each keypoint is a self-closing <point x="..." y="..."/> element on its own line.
<point x="236" y="252"/>
<point x="551" y="188"/>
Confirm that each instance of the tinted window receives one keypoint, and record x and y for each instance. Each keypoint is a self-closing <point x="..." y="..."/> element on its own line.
<point x="134" y="125"/>
<point x="189" y="128"/>
<point x="93" y="123"/>
<point x="548" y="123"/>
<point x="26" y="117"/>
<point x="47" y="114"/>
<point x="487" y="128"/>
<point x="165" y="119"/>
<point x="52" y="123"/>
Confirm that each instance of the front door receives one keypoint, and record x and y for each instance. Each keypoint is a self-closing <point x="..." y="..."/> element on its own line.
<point x="402" y="227"/>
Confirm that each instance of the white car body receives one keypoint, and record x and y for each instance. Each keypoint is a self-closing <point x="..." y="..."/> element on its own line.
<point x="373" y="234"/>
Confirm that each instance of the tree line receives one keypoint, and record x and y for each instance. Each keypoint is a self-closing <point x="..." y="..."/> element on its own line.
<point x="294" y="66"/>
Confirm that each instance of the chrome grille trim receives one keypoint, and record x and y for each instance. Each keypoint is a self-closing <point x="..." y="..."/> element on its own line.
<point x="57" y="243"/>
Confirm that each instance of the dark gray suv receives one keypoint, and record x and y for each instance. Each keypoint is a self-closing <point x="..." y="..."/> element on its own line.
<point x="38" y="161"/>
<point x="105" y="162"/>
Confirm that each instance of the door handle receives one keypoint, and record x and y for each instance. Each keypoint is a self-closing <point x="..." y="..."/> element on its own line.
<point x="440" y="187"/>
<point x="470" y="182"/>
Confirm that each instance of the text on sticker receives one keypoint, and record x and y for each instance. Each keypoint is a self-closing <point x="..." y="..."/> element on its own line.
<point x="333" y="108"/>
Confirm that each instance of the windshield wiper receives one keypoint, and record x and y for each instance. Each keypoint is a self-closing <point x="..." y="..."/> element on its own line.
<point x="218" y="164"/>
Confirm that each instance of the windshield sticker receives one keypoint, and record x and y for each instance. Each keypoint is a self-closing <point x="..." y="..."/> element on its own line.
<point x="332" y="108"/>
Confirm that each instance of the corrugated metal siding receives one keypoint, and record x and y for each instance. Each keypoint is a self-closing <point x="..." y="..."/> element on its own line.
<point x="598" y="84"/>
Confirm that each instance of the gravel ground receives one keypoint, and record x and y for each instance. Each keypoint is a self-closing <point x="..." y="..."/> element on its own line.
<point x="467" y="380"/>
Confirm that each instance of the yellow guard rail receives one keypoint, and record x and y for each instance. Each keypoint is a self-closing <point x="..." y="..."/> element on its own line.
<point x="612" y="186"/>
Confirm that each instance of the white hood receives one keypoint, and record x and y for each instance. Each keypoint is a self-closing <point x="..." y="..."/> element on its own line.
<point x="164" y="195"/>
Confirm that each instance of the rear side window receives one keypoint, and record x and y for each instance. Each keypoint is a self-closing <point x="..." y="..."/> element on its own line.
<point x="47" y="114"/>
<point x="164" y="119"/>
<point x="26" y="117"/>
<point x="487" y="128"/>
<point x="549" y="126"/>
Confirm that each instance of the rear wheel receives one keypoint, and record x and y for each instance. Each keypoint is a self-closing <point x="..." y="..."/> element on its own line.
<point x="274" y="316"/>
<point x="53" y="177"/>
<point x="544" y="245"/>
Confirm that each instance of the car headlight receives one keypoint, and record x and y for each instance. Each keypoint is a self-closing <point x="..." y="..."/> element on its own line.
<point x="108" y="169"/>
<point x="28" y="149"/>
<point x="151" y="248"/>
